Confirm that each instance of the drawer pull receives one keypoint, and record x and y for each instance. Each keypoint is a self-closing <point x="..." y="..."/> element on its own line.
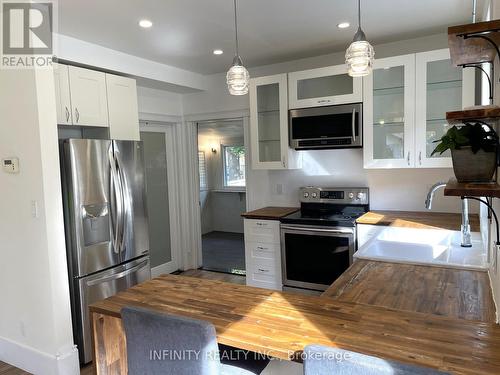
<point x="263" y="270"/>
<point x="262" y="224"/>
<point x="262" y="248"/>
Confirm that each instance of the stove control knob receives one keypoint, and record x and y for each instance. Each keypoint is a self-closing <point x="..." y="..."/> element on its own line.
<point x="361" y="196"/>
<point x="314" y="195"/>
<point x="351" y="195"/>
<point x="306" y="194"/>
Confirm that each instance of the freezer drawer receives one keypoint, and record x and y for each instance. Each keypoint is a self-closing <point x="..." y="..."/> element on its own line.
<point x="99" y="286"/>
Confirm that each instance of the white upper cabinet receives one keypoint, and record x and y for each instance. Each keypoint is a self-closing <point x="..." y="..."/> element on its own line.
<point x="269" y="124"/>
<point x="405" y="104"/>
<point x="63" y="96"/>
<point x="88" y="97"/>
<point x="324" y="86"/>
<point x="123" y="110"/>
<point x="388" y="113"/>
<point x="441" y="87"/>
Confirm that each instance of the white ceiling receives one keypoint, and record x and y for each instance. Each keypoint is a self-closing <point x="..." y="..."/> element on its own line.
<point x="185" y="32"/>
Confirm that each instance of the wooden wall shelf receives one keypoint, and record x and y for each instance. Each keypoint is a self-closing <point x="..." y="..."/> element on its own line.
<point x="459" y="189"/>
<point x="469" y="45"/>
<point x="487" y="113"/>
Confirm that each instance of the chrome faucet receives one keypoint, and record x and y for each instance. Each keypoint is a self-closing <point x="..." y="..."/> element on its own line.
<point x="465" y="227"/>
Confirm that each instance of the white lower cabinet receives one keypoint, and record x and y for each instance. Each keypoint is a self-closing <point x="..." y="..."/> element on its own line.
<point x="263" y="253"/>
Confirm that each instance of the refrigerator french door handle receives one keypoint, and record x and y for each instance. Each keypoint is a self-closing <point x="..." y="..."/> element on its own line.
<point x="118" y="275"/>
<point x="117" y="199"/>
<point x="121" y="178"/>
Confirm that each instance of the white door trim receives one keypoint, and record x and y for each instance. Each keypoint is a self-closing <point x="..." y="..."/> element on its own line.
<point x="173" y="195"/>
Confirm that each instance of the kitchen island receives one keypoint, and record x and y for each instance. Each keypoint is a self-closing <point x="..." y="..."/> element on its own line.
<point x="281" y="324"/>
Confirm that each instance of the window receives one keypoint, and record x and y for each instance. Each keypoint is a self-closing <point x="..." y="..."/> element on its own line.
<point x="234" y="166"/>
<point x="202" y="169"/>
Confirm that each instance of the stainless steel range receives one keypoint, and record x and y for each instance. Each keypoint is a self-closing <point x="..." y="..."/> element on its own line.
<point x="317" y="242"/>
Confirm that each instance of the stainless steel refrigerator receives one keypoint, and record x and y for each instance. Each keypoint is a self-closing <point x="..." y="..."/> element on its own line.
<point x="106" y="224"/>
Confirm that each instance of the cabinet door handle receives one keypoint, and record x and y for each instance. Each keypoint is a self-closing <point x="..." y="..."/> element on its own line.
<point x="420" y="157"/>
<point x="67" y="114"/>
<point x="283" y="161"/>
<point x="263" y="270"/>
<point x="77" y="115"/>
<point x="408" y="158"/>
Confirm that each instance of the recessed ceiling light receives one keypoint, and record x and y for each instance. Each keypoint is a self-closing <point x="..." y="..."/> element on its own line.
<point x="145" y="24"/>
<point x="218" y="52"/>
<point x="343" y="25"/>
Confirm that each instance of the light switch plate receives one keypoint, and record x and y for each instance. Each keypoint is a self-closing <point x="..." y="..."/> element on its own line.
<point x="10" y="165"/>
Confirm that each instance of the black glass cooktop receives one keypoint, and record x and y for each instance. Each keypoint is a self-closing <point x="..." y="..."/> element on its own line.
<point x="324" y="216"/>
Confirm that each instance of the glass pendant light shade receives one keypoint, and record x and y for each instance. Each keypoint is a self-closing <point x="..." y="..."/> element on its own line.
<point x="359" y="58"/>
<point x="237" y="78"/>
<point x="360" y="54"/>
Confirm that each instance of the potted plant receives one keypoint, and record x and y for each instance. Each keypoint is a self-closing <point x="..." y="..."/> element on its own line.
<point x="473" y="151"/>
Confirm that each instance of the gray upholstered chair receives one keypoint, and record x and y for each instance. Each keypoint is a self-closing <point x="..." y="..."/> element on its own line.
<point x="161" y="344"/>
<point x="322" y="360"/>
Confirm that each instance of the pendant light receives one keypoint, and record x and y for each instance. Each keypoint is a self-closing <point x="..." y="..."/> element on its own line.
<point x="237" y="76"/>
<point x="359" y="56"/>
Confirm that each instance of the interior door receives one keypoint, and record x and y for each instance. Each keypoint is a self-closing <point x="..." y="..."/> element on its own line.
<point x="92" y="220"/>
<point x="88" y="97"/>
<point x="159" y="173"/>
<point x="134" y="222"/>
<point x="103" y="285"/>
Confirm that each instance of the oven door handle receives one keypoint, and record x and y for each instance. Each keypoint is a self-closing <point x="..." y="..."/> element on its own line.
<point x="353" y="125"/>
<point x="320" y="230"/>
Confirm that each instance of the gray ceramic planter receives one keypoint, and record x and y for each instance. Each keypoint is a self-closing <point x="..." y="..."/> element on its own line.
<point x="470" y="167"/>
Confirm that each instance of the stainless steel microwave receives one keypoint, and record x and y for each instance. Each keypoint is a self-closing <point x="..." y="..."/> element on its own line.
<point x="337" y="126"/>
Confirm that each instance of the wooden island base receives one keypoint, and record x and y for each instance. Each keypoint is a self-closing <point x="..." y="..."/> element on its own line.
<point x="281" y="324"/>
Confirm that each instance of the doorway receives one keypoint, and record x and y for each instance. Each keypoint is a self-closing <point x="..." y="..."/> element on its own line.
<point x="159" y="171"/>
<point x="222" y="172"/>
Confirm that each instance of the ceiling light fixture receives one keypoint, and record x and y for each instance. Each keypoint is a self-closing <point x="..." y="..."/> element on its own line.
<point x="237" y="77"/>
<point x="343" y="25"/>
<point x="145" y="24"/>
<point x="360" y="54"/>
<point x="218" y="52"/>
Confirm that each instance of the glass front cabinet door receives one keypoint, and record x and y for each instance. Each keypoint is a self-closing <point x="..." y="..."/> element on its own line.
<point x="440" y="88"/>
<point x="324" y="86"/>
<point x="388" y="112"/>
<point x="269" y="124"/>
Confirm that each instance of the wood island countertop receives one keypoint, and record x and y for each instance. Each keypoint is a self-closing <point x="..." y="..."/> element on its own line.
<point x="410" y="219"/>
<point x="270" y="213"/>
<point x="281" y="324"/>
<point x="450" y="292"/>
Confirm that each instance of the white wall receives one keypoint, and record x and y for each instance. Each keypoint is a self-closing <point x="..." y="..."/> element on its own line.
<point x="159" y="104"/>
<point x="494" y="253"/>
<point x="35" y="317"/>
<point x="390" y="189"/>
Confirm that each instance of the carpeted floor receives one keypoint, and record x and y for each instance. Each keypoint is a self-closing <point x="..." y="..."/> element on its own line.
<point x="224" y="252"/>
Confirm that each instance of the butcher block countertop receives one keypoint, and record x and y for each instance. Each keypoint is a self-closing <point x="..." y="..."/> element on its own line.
<point x="281" y="324"/>
<point x="409" y="219"/>
<point x="270" y="213"/>
<point x="450" y="292"/>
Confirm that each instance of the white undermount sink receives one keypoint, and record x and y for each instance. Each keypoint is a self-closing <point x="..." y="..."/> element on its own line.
<point x="424" y="246"/>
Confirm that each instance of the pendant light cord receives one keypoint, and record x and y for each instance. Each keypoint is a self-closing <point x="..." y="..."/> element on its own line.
<point x="236" y="28"/>
<point x="359" y="14"/>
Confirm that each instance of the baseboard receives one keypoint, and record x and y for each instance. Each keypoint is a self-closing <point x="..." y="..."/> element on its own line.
<point x="162" y="269"/>
<point x="37" y="362"/>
